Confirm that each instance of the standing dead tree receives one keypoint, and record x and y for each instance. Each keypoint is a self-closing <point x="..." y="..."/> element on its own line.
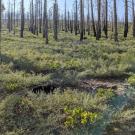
<point x="36" y="18"/>
<point x="66" y="29"/>
<point x="93" y="20"/>
<point x="81" y="20"/>
<point x="32" y="17"/>
<point x="14" y="17"/>
<point x="88" y="18"/>
<point x="9" y="18"/>
<point x="0" y="26"/>
<point x="11" y="22"/>
<point x="22" y="19"/>
<point x="98" y="28"/>
<point x="106" y="19"/>
<point x="133" y="14"/>
<point x="115" y="21"/>
<point x="76" y="17"/>
<point x="55" y="20"/>
<point x="1" y="10"/>
<point x="45" y="22"/>
<point x="126" y="19"/>
<point x="40" y="16"/>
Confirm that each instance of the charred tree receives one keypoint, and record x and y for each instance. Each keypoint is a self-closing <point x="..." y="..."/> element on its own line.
<point x="55" y="20"/>
<point x="81" y="20"/>
<point x="88" y="18"/>
<point x="66" y="29"/>
<point x="93" y="20"/>
<point x="133" y="14"/>
<point x="22" y="19"/>
<point x="98" y="28"/>
<point x="76" y="17"/>
<point x="115" y="21"/>
<point x="45" y="22"/>
<point x="14" y="17"/>
<point x="126" y="19"/>
<point x="106" y="19"/>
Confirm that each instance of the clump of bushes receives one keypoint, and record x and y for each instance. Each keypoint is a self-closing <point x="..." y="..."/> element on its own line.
<point x="16" y="81"/>
<point x="107" y="93"/>
<point x="79" y="117"/>
<point x="131" y="80"/>
<point x="12" y="86"/>
<point x="17" y="113"/>
<point x="48" y="114"/>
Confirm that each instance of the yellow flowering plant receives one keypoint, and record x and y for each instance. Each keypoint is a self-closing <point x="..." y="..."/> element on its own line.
<point x="79" y="117"/>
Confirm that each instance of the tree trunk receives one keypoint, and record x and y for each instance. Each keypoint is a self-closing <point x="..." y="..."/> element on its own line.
<point x="81" y="20"/>
<point x="9" y="19"/>
<point x="0" y="27"/>
<point x="22" y="19"/>
<point x="76" y="17"/>
<point x="55" y="20"/>
<point x="88" y="18"/>
<point x="115" y="22"/>
<point x="45" y="21"/>
<point x="92" y="17"/>
<point x="133" y="14"/>
<point x="106" y="18"/>
<point x="40" y="16"/>
<point x="68" y="20"/>
<point x="98" y="28"/>
<point x="32" y="18"/>
<point x="66" y="16"/>
<point x="126" y="19"/>
<point x="14" y="17"/>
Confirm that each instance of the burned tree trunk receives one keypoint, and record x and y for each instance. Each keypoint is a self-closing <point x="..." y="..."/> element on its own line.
<point x="11" y="22"/>
<point x="133" y="14"/>
<point x="22" y="19"/>
<point x="88" y="18"/>
<point x="71" y="24"/>
<point x="55" y="20"/>
<point x="66" y="16"/>
<point x="0" y="13"/>
<point x="106" y="19"/>
<point x="126" y="19"/>
<point x="45" y="22"/>
<point x="32" y="18"/>
<point x="98" y="28"/>
<point x="68" y="22"/>
<point x="9" y="18"/>
<point x="76" y="17"/>
<point x="115" y="22"/>
<point x="0" y="17"/>
<point x="36" y="18"/>
<point x="40" y="16"/>
<point x="81" y="20"/>
<point x="92" y="17"/>
<point x="14" y="17"/>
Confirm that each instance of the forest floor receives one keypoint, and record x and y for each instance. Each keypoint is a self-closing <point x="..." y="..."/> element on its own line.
<point x="87" y="77"/>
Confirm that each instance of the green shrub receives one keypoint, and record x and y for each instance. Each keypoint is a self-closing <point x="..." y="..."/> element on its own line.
<point x="12" y="87"/>
<point x="107" y="93"/>
<point x="79" y="117"/>
<point x="131" y="80"/>
<point x="16" y="113"/>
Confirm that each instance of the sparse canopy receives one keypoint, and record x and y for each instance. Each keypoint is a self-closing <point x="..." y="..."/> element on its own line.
<point x="87" y="16"/>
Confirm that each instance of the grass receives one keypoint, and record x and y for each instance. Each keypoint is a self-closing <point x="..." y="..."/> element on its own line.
<point x="28" y="62"/>
<point x="44" y="114"/>
<point x="95" y="58"/>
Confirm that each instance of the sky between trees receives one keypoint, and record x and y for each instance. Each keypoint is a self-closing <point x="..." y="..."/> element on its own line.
<point x="120" y="6"/>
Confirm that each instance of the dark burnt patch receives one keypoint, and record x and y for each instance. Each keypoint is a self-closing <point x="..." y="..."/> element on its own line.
<point x="49" y="88"/>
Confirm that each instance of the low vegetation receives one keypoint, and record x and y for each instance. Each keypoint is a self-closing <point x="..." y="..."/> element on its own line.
<point x="70" y="109"/>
